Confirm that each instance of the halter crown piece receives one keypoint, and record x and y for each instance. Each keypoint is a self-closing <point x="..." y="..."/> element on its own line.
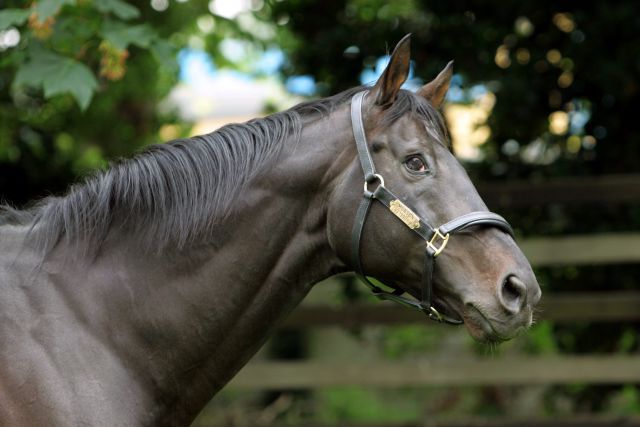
<point x="436" y="239"/>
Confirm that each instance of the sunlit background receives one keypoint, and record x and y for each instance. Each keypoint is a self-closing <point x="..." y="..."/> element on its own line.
<point x="211" y="97"/>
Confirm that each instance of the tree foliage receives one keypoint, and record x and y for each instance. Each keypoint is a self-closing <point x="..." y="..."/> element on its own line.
<point x="83" y="85"/>
<point x="537" y="57"/>
<point x="62" y="38"/>
<point x="84" y="82"/>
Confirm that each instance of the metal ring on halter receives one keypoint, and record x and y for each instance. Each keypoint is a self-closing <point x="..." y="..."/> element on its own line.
<point x="435" y="314"/>
<point x="372" y="178"/>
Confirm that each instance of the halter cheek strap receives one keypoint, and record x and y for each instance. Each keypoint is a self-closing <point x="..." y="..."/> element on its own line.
<point x="435" y="239"/>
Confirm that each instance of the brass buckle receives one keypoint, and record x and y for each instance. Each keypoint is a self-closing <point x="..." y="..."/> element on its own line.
<point x="438" y="247"/>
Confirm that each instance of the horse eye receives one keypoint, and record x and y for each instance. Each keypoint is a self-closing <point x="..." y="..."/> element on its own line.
<point x="415" y="164"/>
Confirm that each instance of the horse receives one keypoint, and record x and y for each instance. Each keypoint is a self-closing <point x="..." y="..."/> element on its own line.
<point x="137" y="295"/>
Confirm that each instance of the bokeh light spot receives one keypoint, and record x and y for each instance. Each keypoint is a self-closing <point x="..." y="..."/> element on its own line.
<point x="502" y="57"/>
<point x="573" y="144"/>
<point x="589" y="142"/>
<point x="523" y="26"/>
<point x="160" y="5"/>
<point x="565" y="79"/>
<point x="554" y="56"/>
<point x="564" y="22"/>
<point x="558" y="122"/>
<point x="523" y="56"/>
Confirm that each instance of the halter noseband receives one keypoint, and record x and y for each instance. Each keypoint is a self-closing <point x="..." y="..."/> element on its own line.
<point x="436" y="238"/>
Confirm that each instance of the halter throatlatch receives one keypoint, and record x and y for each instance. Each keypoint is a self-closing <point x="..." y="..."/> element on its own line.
<point x="435" y="239"/>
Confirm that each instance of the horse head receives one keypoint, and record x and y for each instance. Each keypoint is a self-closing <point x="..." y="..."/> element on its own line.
<point x="428" y="208"/>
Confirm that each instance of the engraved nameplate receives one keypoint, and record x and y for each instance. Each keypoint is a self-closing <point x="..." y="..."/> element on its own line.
<point x="405" y="214"/>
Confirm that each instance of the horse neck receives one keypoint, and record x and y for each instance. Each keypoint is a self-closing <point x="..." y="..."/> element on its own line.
<point x="186" y="324"/>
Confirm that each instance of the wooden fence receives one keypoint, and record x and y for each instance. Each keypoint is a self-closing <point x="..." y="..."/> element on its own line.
<point x="450" y="372"/>
<point x="607" y="189"/>
<point x="580" y="421"/>
<point x="569" y="307"/>
<point x="594" y="369"/>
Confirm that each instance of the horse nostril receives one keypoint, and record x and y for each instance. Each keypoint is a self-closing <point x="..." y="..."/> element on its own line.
<point x="513" y="294"/>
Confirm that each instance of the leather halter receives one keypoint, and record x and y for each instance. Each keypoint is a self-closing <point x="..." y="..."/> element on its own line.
<point x="436" y="239"/>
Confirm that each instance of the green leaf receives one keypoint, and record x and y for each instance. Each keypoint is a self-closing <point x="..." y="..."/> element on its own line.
<point x="72" y="77"/>
<point x="9" y="17"/>
<point x="121" y="35"/>
<point x="33" y="71"/>
<point x="57" y="74"/>
<point x="47" y="8"/>
<point x="118" y="7"/>
<point x="165" y="54"/>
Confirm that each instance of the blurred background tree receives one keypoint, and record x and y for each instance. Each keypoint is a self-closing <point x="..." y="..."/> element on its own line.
<point x="81" y="82"/>
<point x="538" y="58"/>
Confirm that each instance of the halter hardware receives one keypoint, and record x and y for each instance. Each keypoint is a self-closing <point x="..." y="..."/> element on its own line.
<point x="371" y="179"/>
<point x="435" y="315"/>
<point x="438" y="247"/>
<point x="435" y="238"/>
<point x="405" y="214"/>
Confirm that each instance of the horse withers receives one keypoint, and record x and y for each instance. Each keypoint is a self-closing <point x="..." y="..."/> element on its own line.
<point x="135" y="297"/>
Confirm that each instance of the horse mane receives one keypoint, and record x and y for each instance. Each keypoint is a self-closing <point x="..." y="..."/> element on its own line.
<point x="170" y="195"/>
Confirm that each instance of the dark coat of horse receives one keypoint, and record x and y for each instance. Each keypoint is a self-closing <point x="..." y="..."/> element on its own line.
<point x="138" y="295"/>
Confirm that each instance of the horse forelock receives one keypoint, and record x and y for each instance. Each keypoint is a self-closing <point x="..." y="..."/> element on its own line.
<point x="174" y="194"/>
<point x="410" y="103"/>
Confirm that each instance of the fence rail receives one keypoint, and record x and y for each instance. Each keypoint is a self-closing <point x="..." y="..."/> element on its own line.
<point x="612" y="369"/>
<point x="568" y="190"/>
<point x="605" y="248"/>
<point x="580" y="421"/>
<point x="593" y="307"/>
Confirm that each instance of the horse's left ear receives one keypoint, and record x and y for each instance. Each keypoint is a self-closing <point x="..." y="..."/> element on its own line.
<point x="387" y="87"/>
<point x="436" y="90"/>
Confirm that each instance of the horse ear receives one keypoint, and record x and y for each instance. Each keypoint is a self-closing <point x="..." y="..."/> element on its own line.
<point x="436" y="90"/>
<point x="387" y="87"/>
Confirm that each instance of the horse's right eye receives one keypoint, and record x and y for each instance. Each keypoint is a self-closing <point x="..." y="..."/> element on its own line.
<point x="415" y="164"/>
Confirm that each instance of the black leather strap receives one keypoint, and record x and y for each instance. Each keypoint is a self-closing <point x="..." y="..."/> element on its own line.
<point x="361" y="140"/>
<point x="476" y="218"/>
<point x="356" y="237"/>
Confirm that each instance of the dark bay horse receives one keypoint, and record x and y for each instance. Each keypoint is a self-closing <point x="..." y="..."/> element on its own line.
<point x="138" y="295"/>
